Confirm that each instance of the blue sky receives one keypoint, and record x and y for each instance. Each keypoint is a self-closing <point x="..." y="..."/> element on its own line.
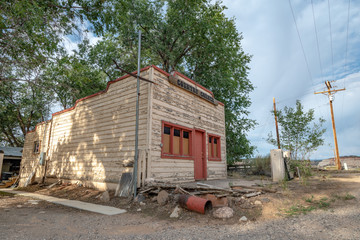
<point x="279" y="68"/>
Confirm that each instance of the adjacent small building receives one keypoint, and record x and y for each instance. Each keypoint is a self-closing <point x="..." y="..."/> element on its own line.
<point x="10" y="158"/>
<point x="181" y="134"/>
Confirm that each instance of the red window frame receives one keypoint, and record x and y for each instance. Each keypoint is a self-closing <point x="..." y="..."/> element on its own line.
<point x="211" y="157"/>
<point x="171" y="155"/>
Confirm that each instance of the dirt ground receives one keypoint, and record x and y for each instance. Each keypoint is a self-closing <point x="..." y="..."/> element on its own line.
<point x="329" y="188"/>
<point x="324" y="192"/>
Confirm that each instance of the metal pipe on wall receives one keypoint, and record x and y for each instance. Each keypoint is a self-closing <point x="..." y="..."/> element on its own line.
<point x="137" y="119"/>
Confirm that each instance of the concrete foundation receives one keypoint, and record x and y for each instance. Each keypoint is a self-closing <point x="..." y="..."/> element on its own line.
<point x="277" y="165"/>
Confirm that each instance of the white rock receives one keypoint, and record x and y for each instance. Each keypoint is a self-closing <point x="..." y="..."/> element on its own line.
<point x="257" y="202"/>
<point x="34" y="202"/>
<point x="243" y="219"/>
<point x="176" y="212"/>
<point x="149" y="180"/>
<point x="142" y="204"/>
<point x="224" y="212"/>
<point x="139" y="210"/>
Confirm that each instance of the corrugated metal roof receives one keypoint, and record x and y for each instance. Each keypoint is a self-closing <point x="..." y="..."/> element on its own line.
<point x="12" y="151"/>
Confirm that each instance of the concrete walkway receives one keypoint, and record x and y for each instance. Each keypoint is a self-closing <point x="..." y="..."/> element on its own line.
<point x="106" y="210"/>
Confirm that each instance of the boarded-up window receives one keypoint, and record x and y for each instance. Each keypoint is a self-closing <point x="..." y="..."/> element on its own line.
<point x="176" y="141"/>
<point x="214" y="148"/>
<point x="210" y="147"/>
<point x="166" y="140"/>
<point x="185" y="144"/>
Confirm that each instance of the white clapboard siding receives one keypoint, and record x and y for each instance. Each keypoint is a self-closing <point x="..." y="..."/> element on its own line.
<point x="91" y="141"/>
<point x="175" y="105"/>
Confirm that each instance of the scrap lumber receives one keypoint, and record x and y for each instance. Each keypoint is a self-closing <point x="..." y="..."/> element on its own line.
<point x="29" y="179"/>
<point x="52" y="185"/>
<point x="264" y="189"/>
<point x="215" y="187"/>
<point x="200" y="189"/>
<point x="147" y="190"/>
<point x="254" y="194"/>
<point x="179" y="189"/>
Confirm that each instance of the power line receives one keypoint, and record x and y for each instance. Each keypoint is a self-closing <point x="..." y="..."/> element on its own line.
<point x="302" y="47"/>
<point x="346" y="51"/>
<point x="317" y="40"/>
<point x="347" y="39"/>
<point x="331" y="47"/>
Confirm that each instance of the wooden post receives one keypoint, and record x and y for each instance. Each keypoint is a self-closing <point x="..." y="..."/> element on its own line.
<point x="334" y="131"/>
<point x="276" y="124"/>
<point x="331" y="98"/>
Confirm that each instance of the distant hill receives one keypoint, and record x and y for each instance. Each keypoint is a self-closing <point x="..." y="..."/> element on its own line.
<point x="351" y="161"/>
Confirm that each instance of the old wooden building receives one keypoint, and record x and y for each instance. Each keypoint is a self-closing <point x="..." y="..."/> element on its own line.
<point x="181" y="134"/>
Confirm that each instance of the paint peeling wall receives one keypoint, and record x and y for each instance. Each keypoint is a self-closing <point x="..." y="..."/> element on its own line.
<point x="172" y="104"/>
<point x="94" y="142"/>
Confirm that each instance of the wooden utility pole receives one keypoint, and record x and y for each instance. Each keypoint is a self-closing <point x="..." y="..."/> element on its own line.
<point x="330" y="93"/>
<point x="276" y="124"/>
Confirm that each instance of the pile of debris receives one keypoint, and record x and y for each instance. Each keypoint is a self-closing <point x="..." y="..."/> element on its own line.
<point x="200" y="197"/>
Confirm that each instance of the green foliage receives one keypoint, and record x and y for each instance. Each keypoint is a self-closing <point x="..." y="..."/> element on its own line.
<point x="311" y="204"/>
<point x="284" y="184"/>
<point x="310" y="200"/>
<point x="347" y="196"/>
<point x="323" y="203"/>
<point x="33" y="71"/>
<point x="299" y="209"/>
<point x="299" y="132"/>
<point x="193" y="37"/>
<point x="71" y="78"/>
<point x="304" y="167"/>
<point x="261" y="165"/>
<point x="22" y="106"/>
<point x="31" y="32"/>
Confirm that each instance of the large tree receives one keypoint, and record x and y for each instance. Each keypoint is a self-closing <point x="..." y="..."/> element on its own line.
<point x="71" y="77"/>
<point x="300" y="133"/>
<point x="194" y="37"/>
<point x="31" y="35"/>
<point x="22" y="106"/>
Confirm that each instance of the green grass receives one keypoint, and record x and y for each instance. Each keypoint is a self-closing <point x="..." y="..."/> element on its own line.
<point x="345" y="197"/>
<point x="311" y="204"/>
<point x="284" y="184"/>
<point x="6" y="194"/>
<point x="310" y="199"/>
<point x="299" y="209"/>
<point x="323" y="203"/>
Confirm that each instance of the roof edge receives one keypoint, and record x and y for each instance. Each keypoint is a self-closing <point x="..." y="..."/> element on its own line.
<point x="119" y="79"/>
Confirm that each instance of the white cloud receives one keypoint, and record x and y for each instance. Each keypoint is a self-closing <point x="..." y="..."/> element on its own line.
<point x="278" y="68"/>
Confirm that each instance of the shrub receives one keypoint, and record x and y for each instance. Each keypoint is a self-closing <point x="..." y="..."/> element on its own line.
<point x="261" y="165"/>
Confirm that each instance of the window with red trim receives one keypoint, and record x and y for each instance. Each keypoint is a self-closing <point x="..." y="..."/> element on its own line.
<point x="214" y="148"/>
<point x="176" y="141"/>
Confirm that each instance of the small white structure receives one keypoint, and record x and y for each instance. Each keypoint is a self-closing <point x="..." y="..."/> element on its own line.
<point x="277" y="165"/>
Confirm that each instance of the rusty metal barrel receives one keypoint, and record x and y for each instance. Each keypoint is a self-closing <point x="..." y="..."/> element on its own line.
<point x="196" y="204"/>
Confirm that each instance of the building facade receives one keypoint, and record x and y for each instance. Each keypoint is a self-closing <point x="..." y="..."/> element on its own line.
<point x="181" y="134"/>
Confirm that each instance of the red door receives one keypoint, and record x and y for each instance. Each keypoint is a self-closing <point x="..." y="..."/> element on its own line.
<point x="200" y="160"/>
